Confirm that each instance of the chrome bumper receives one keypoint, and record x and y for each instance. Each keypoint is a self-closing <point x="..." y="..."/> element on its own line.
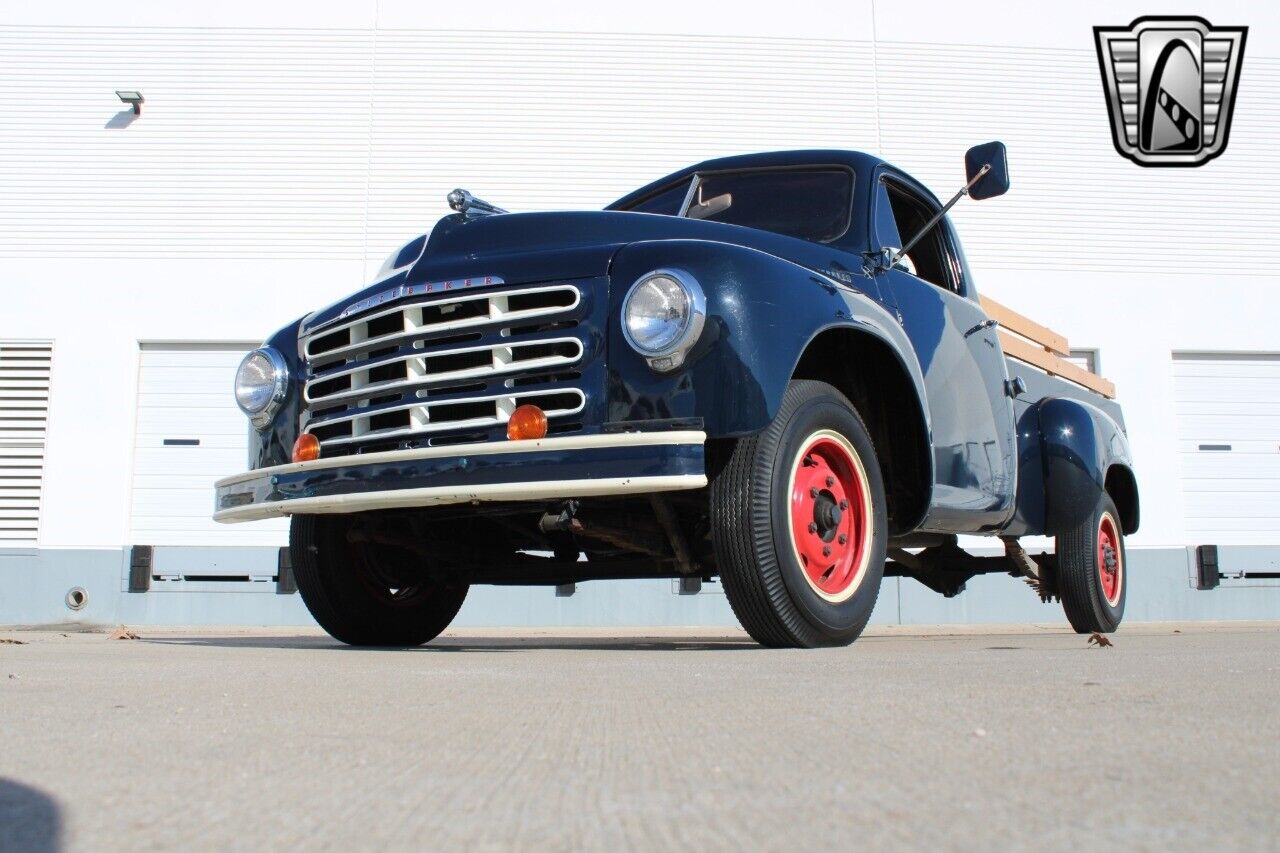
<point x="544" y="469"/>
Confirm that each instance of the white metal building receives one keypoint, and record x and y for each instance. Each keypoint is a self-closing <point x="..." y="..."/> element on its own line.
<point x="284" y="149"/>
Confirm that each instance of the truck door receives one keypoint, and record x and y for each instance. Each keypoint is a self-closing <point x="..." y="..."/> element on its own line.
<point x="974" y="440"/>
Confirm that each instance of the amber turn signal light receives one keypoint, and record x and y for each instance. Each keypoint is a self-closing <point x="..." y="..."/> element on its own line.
<point x="306" y="448"/>
<point x="527" y="421"/>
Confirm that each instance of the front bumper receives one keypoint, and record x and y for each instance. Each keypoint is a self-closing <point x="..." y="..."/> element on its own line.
<point x="545" y="469"/>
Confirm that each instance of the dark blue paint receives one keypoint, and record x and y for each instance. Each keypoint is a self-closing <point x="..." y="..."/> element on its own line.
<point x="761" y="314"/>
<point x="996" y="181"/>
<point x="994" y="467"/>
<point x="1068" y="440"/>
<point x="973" y="439"/>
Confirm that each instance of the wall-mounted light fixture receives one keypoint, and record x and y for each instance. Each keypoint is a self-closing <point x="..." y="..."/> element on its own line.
<point x="134" y="99"/>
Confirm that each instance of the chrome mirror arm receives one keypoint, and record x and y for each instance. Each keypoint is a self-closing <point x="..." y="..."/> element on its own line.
<point x="964" y="191"/>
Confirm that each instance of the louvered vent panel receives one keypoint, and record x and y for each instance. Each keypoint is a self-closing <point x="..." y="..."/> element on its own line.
<point x="24" y="413"/>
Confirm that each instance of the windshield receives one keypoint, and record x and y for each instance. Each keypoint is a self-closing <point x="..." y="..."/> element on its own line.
<point x="812" y="204"/>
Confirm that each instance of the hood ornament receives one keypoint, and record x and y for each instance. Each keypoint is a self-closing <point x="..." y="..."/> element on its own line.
<point x="470" y="206"/>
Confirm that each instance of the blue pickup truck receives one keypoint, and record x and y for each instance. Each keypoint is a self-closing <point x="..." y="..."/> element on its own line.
<point x="773" y="369"/>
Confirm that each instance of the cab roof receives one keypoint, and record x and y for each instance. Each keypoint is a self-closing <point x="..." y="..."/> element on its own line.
<point x="862" y="164"/>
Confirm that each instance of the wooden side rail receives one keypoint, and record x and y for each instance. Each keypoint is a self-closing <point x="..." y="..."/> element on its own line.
<point x="1041" y="347"/>
<point x="1028" y="328"/>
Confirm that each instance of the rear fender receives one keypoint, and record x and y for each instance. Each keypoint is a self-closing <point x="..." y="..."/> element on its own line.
<point x="1080" y="443"/>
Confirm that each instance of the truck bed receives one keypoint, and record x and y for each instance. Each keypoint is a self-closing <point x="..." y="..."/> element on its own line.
<point x="1038" y="355"/>
<point x="1041" y="384"/>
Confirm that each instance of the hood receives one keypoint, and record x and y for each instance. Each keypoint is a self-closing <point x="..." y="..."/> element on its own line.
<point x="526" y="248"/>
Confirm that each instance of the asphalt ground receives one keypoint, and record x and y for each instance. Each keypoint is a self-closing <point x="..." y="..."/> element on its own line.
<point x="1017" y="739"/>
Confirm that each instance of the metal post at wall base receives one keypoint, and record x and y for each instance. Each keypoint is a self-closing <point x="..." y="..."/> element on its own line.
<point x="1209" y="573"/>
<point x="1206" y="566"/>
<point x="140" y="561"/>
<point x="690" y="586"/>
<point x="286" y="583"/>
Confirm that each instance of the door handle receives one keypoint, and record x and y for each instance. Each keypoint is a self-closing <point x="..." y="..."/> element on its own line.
<point x="985" y="324"/>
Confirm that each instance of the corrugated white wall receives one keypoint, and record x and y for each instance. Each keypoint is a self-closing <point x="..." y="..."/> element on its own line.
<point x="252" y="143"/>
<point x="576" y="120"/>
<point x="341" y="143"/>
<point x="285" y="149"/>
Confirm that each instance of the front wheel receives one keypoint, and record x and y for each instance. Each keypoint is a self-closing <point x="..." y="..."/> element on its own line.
<point x="1092" y="574"/>
<point x="799" y="524"/>
<point x="364" y="593"/>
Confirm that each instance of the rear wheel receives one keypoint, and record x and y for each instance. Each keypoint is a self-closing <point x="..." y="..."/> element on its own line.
<point x="798" y="523"/>
<point x="1092" y="573"/>
<point x="363" y="593"/>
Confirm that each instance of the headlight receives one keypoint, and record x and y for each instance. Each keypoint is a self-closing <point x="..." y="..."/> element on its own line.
<point x="662" y="317"/>
<point x="262" y="383"/>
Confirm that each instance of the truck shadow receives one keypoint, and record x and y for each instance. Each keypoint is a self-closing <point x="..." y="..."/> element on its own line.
<point x="30" y="820"/>
<point x="634" y="644"/>
<point x="476" y="643"/>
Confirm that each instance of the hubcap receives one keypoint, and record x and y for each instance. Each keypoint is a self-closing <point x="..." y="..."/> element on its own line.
<point x="1110" y="561"/>
<point x="830" y="509"/>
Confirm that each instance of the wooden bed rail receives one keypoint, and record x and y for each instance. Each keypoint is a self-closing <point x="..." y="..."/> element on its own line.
<point x="1026" y="340"/>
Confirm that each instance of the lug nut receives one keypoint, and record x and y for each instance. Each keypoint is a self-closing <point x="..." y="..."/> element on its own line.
<point x="813" y="528"/>
<point x="831" y="481"/>
<point x="813" y="493"/>
<point x="826" y="551"/>
<point x="844" y="504"/>
<point x="843" y="539"/>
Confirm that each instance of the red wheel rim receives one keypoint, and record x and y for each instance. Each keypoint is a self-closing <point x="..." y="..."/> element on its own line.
<point x="830" y="515"/>
<point x="1110" y="560"/>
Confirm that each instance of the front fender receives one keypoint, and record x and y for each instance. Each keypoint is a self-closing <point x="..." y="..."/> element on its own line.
<point x="762" y="312"/>
<point x="1079" y="443"/>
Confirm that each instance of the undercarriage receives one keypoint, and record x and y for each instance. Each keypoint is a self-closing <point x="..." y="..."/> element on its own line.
<point x="656" y="536"/>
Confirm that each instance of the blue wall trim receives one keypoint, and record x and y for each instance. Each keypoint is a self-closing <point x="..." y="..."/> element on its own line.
<point x="33" y="587"/>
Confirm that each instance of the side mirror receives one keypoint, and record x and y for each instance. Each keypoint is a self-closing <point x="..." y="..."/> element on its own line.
<point x="996" y="181"/>
<point x="986" y="176"/>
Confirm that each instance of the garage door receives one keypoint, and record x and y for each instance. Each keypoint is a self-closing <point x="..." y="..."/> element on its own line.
<point x="1229" y="443"/>
<point x="189" y="434"/>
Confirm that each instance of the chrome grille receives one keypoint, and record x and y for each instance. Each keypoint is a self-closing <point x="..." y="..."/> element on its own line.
<point x="446" y="364"/>
<point x="456" y="314"/>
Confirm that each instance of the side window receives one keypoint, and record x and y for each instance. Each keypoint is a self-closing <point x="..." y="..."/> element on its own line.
<point x="931" y="258"/>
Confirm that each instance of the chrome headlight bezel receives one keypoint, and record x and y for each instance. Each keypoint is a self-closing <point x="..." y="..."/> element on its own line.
<point x="671" y="356"/>
<point x="279" y="373"/>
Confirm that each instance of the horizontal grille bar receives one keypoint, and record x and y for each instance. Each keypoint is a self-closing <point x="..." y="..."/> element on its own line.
<point x="435" y="316"/>
<point x="426" y="416"/>
<point x="450" y="365"/>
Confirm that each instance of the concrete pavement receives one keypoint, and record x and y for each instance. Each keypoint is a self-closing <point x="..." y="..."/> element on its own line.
<point x="1017" y="738"/>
